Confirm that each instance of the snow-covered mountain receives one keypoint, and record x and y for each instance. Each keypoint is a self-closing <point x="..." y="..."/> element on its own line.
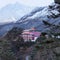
<point x="35" y="19"/>
<point x="5" y="27"/>
<point x="9" y="14"/>
<point x="39" y="17"/>
<point x="13" y="12"/>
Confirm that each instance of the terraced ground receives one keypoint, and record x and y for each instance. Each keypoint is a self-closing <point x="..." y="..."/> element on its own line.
<point x="47" y="50"/>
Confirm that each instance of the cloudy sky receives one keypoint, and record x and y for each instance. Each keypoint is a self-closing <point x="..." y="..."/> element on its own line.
<point x="26" y="2"/>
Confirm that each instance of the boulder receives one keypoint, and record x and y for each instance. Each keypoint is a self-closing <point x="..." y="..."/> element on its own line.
<point x="57" y="51"/>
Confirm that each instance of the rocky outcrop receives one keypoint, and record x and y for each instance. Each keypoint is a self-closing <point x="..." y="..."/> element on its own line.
<point x="57" y="50"/>
<point x="57" y="1"/>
